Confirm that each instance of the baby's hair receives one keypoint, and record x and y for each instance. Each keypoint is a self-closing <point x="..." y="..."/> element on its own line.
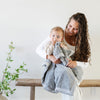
<point x="57" y="29"/>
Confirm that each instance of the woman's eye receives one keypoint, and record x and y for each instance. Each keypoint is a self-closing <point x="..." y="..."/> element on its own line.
<point x="75" y="29"/>
<point x="70" y="26"/>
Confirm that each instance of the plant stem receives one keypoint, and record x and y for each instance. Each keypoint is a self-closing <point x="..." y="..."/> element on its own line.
<point x="3" y="73"/>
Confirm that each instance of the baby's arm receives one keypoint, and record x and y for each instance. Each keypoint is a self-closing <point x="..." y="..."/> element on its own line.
<point x="49" y="48"/>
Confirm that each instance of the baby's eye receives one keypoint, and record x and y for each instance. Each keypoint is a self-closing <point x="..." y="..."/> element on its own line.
<point x="53" y="35"/>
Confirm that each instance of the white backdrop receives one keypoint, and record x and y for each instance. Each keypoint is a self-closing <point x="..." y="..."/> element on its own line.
<point x="28" y="22"/>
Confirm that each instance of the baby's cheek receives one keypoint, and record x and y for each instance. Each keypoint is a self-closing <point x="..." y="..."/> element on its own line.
<point x="52" y="39"/>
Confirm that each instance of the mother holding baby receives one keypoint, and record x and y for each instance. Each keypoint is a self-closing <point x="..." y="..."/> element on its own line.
<point x="76" y="37"/>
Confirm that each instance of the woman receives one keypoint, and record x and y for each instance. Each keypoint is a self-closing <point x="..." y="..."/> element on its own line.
<point x="76" y="38"/>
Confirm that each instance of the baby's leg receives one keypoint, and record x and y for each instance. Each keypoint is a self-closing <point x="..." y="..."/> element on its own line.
<point x="49" y="83"/>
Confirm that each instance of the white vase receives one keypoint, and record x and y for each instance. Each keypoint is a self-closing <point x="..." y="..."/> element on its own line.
<point x="3" y="97"/>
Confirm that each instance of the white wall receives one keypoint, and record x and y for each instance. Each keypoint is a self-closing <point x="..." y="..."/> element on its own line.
<point x="28" y="22"/>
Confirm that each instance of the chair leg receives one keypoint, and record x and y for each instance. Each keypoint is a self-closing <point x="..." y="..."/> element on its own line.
<point x="32" y="94"/>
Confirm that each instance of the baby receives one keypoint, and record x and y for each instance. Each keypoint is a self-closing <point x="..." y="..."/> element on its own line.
<point x="53" y="79"/>
<point x="56" y="35"/>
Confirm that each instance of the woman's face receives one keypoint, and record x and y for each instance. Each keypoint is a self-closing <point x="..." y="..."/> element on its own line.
<point x="72" y="28"/>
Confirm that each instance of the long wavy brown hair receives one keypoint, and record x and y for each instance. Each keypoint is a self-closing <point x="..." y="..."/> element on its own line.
<point x="82" y="47"/>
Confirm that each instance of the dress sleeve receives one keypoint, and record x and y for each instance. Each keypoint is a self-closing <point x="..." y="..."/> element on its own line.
<point x="82" y="64"/>
<point x="40" y="50"/>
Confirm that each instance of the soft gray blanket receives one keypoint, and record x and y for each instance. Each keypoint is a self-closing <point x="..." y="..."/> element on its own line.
<point x="58" y="77"/>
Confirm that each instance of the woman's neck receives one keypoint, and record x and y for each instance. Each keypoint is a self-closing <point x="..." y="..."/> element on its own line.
<point x="70" y="39"/>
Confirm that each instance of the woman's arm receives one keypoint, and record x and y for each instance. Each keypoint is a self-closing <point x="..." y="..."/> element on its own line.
<point x="53" y="59"/>
<point x="73" y="64"/>
<point x="41" y="52"/>
<point x="82" y="64"/>
<point x="41" y="48"/>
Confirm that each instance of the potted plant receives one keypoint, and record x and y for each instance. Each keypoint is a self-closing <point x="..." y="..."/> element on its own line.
<point x="9" y="76"/>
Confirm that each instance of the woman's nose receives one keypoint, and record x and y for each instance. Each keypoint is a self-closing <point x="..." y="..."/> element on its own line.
<point x="71" y="30"/>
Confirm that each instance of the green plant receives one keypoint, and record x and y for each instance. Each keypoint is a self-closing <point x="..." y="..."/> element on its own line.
<point x="8" y="76"/>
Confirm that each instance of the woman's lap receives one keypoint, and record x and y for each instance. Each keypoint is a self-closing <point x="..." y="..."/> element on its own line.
<point x="76" y="96"/>
<point x="65" y="79"/>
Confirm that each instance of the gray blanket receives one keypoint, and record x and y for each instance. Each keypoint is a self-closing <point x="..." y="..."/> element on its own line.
<point x="57" y="77"/>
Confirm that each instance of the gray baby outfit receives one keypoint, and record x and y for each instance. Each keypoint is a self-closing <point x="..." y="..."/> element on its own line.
<point x="57" y="77"/>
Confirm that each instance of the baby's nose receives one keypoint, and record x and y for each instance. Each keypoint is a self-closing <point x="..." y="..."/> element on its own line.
<point x="55" y="39"/>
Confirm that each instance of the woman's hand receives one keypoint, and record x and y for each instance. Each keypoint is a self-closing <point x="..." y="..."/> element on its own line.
<point x="71" y="64"/>
<point x="53" y="59"/>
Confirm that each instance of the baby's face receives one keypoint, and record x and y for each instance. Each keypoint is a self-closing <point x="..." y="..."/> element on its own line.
<point x="56" y="36"/>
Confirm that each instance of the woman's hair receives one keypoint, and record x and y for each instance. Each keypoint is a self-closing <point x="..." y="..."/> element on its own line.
<point x="82" y="47"/>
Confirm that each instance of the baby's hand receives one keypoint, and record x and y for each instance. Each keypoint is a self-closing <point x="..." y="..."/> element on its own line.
<point x="62" y="44"/>
<point x="53" y="42"/>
